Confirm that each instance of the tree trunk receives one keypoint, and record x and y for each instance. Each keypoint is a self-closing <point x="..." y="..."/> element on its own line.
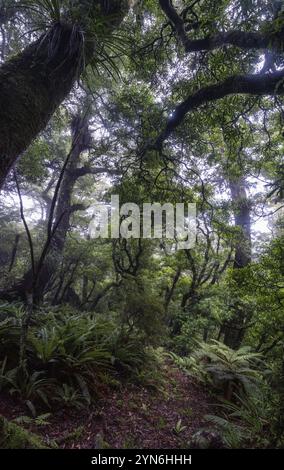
<point x="14" y="251"/>
<point x="64" y="209"/>
<point x="80" y="141"/>
<point x="34" y="83"/>
<point x="242" y="215"/>
<point x="32" y="86"/>
<point x="235" y="328"/>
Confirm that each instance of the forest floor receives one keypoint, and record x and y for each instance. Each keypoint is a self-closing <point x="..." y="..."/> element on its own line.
<point x="129" y="417"/>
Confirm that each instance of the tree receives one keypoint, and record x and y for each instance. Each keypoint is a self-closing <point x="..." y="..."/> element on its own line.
<point x="270" y="38"/>
<point x="35" y="82"/>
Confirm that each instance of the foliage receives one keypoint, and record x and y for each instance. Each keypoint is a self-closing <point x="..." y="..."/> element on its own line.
<point x="13" y="436"/>
<point x="179" y="428"/>
<point x="223" y="368"/>
<point x="40" y="420"/>
<point x="247" y="422"/>
<point x="71" y="359"/>
<point x="67" y="396"/>
<point x="91" y="314"/>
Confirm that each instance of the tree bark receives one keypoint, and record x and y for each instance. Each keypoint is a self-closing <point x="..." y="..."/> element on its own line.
<point x="235" y="328"/>
<point x="32" y="86"/>
<point x="242" y="216"/>
<point x="34" y="83"/>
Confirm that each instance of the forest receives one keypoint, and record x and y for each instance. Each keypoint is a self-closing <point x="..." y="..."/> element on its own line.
<point x="126" y="337"/>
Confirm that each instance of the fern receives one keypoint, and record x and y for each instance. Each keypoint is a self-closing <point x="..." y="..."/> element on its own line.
<point x="243" y="422"/>
<point x="223" y="368"/>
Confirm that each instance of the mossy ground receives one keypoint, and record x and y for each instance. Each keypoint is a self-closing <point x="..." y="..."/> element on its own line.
<point x="13" y="436"/>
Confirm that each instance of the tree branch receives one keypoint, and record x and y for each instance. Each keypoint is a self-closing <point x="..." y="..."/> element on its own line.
<point x="176" y="21"/>
<point x="86" y="170"/>
<point x="253" y="84"/>
<point x="29" y="237"/>
<point x="78" y="207"/>
<point x="237" y="38"/>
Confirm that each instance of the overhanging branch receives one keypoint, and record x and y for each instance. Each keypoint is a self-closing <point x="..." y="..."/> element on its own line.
<point x="237" y="38"/>
<point x="255" y="84"/>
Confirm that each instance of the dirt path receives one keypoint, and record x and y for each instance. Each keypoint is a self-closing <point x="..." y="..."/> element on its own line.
<point x="131" y="417"/>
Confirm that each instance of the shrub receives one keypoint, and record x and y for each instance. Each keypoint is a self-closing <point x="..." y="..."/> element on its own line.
<point x="32" y="388"/>
<point x="246" y="422"/>
<point x="71" y="358"/>
<point x="223" y="368"/>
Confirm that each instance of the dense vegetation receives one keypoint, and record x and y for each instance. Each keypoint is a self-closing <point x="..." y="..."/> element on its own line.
<point x="156" y="102"/>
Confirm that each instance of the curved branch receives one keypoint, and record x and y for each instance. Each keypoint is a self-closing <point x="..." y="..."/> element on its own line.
<point x="255" y="84"/>
<point x="241" y="39"/>
<point x="237" y="38"/>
